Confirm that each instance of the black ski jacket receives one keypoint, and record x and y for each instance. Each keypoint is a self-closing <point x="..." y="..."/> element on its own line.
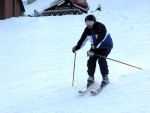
<point x="102" y="37"/>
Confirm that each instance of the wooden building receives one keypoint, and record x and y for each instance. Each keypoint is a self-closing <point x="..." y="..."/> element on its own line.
<point x="11" y="8"/>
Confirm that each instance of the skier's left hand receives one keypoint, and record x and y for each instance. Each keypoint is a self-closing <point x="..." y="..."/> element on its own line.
<point x="92" y="46"/>
<point x="90" y="53"/>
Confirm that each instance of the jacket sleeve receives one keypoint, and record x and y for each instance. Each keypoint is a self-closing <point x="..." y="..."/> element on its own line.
<point x="101" y="34"/>
<point x="83" y="39"/>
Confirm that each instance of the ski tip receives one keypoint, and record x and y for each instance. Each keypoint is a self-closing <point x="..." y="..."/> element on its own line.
<point x="140" y="68"/>
<point x="91" y="91"/>
<point x="94" y="92"/>
<point x="80" y="91"/>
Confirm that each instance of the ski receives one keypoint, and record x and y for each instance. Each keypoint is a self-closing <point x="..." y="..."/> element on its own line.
<point x="85" y="89"/>
<point x="97" y="90"/>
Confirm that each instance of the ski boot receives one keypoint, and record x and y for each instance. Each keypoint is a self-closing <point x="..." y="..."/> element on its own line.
<point x="105" y="81"/>
<point x="90" y="81"/>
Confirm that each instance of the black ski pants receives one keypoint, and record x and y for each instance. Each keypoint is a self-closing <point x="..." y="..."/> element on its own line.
<point x="91" y="63"/>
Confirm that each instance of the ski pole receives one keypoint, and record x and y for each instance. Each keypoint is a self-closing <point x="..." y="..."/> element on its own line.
<point x="119" y="61"/>
<point x="74" y="69"/>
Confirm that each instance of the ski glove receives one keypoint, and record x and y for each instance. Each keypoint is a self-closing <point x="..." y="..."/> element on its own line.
<point x="75" y="48"/>
<point x="90" y="53"/>
<point x="92" y="46"/>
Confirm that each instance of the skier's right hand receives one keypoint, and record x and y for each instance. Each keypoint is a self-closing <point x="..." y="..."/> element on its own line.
<point x="75" y="48"/>
<point x="90" y="53"/>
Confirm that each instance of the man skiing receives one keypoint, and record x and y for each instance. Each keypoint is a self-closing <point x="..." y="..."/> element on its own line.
<point x="101" y="44"/>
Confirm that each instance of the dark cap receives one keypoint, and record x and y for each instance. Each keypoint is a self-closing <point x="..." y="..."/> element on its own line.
<point x="90" y="18"/>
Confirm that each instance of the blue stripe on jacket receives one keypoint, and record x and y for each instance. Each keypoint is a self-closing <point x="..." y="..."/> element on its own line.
<point x="107" y="43"/>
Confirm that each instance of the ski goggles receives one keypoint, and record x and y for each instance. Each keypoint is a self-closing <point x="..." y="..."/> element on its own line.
<point x="89" y="23"/>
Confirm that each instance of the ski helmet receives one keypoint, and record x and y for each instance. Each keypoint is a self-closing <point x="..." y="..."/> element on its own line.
<point x="90" y="20"/>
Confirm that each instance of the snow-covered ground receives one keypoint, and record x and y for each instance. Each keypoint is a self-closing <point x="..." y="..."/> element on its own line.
<point x="36" y="61"/>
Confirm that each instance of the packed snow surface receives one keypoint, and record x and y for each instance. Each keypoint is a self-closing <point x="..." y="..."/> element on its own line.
<point x="36" y="61"/>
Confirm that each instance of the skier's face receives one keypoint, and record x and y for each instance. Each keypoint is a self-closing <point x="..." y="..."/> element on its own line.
<point x="90" y="27"/>
<point x="89" y="24"/>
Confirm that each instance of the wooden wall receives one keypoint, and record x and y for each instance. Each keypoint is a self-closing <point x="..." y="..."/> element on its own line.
<point x="11" y="8"/>
<point x="1" y="9"/>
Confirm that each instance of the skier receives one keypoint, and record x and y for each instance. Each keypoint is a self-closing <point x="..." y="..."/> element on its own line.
<point x="101" y="44"/>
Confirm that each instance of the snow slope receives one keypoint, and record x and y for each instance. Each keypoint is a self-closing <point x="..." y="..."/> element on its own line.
<point x="36" y="63"/>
